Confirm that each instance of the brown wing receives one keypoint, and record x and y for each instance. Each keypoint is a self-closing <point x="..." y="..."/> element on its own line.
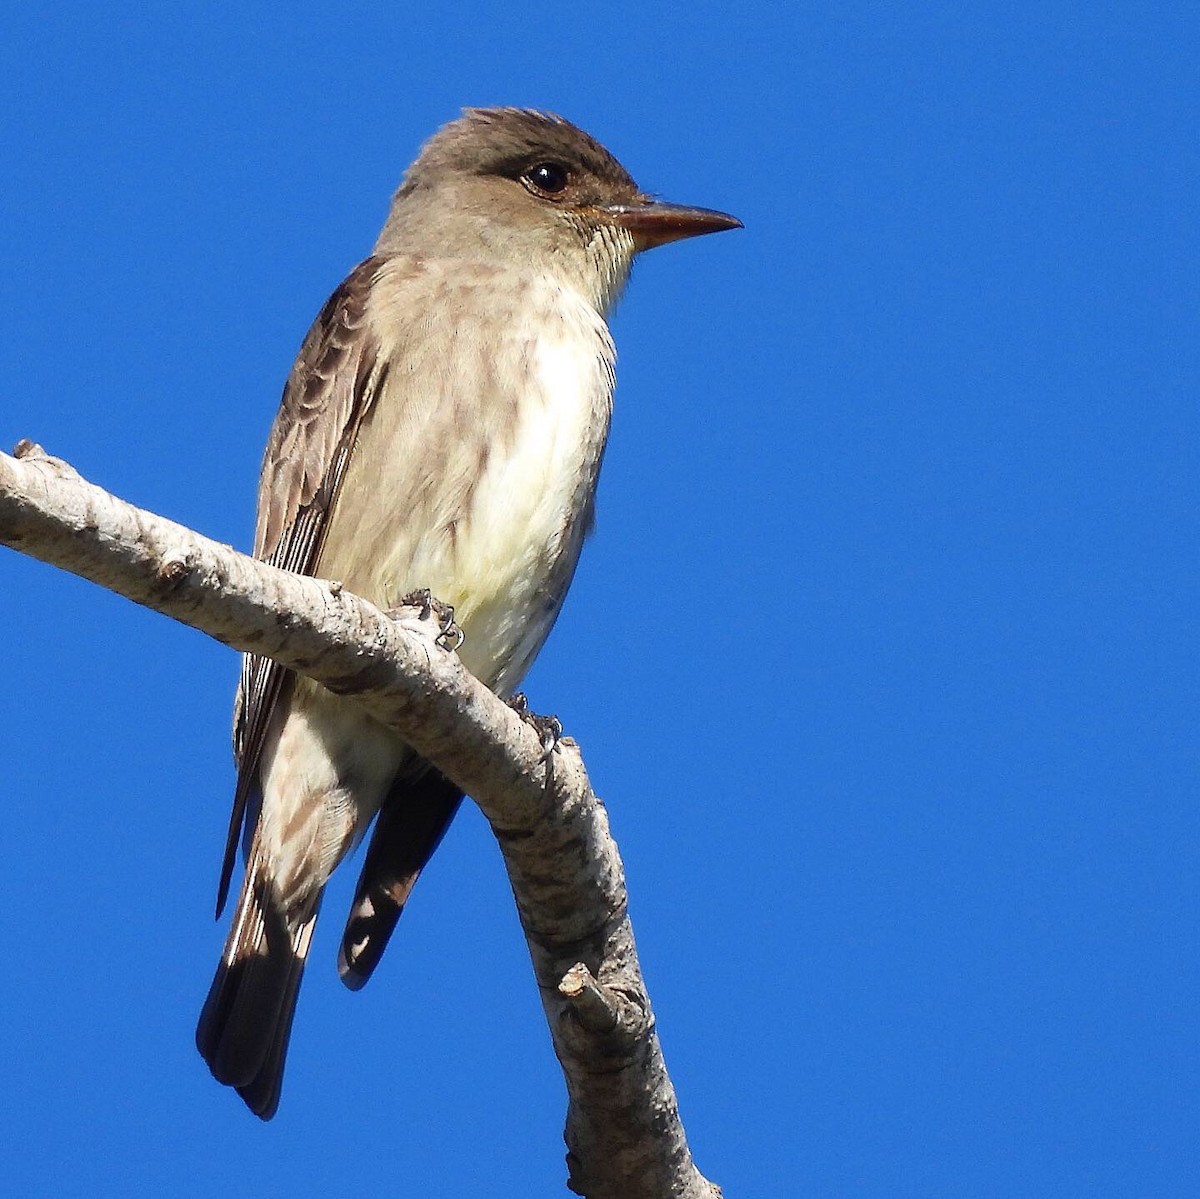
<point x="337" y="374"/>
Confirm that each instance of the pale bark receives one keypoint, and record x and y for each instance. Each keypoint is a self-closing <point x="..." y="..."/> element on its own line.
<point x="624" y="1138"/>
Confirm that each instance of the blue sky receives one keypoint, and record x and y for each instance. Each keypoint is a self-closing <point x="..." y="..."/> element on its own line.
<point x="883" y="656"/>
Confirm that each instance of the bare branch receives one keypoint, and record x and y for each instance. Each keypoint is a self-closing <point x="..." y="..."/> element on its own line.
<point x="624" y="1137"/>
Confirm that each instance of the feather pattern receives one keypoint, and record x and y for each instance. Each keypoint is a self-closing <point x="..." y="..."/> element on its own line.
<point x="306" y="457"/>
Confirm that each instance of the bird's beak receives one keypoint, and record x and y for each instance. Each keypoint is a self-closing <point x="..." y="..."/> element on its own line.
<point x="654" y="223"/>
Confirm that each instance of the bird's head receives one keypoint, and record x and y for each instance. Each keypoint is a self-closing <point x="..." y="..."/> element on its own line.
<point x="530" y="189"/>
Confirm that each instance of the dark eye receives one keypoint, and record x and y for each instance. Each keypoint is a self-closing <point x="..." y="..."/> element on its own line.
<point x="547" y="177"/>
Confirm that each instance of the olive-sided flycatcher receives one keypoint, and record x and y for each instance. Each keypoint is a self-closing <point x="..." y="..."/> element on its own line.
<point x="442" y="429"/>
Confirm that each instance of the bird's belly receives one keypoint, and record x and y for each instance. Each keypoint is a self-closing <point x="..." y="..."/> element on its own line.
<point x="507" y="562"/>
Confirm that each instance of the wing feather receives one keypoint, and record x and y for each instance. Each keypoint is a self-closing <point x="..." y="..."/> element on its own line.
<point x="337" y="374"/>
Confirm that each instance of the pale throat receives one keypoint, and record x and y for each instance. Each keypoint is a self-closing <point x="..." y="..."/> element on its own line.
<point x="610" y="253"/>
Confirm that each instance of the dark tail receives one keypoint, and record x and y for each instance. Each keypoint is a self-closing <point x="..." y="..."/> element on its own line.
<point x="411" y="823"/>
<point x="247" y="1018"/>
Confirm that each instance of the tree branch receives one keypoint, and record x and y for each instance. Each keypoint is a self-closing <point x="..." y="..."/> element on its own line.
<point x="624" y="1138"/>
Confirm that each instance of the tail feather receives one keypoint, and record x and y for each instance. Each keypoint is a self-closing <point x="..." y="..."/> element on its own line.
<point x="244" y="1025"/>
<point x="410" y="826"/>
<point x="261" y="1094"/>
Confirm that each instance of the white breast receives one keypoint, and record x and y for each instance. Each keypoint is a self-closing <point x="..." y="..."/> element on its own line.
<point x="517" y="552"/>
<point x="474" y="474"/>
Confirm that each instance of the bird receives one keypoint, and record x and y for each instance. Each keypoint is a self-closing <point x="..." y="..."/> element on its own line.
<point x="441" y="433"/>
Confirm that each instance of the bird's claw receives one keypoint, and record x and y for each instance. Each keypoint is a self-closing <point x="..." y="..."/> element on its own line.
<point x="450" y="637"/>
<point x="548" y="728"/>
<point x="421" y="598"/>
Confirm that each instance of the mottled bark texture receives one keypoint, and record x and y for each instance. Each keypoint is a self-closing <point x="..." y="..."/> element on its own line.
<point x="624" y="1138"/>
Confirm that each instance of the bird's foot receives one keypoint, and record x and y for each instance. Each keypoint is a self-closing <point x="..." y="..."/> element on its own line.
<point x="450" y="637"/>
<point x="548" y="728"/>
